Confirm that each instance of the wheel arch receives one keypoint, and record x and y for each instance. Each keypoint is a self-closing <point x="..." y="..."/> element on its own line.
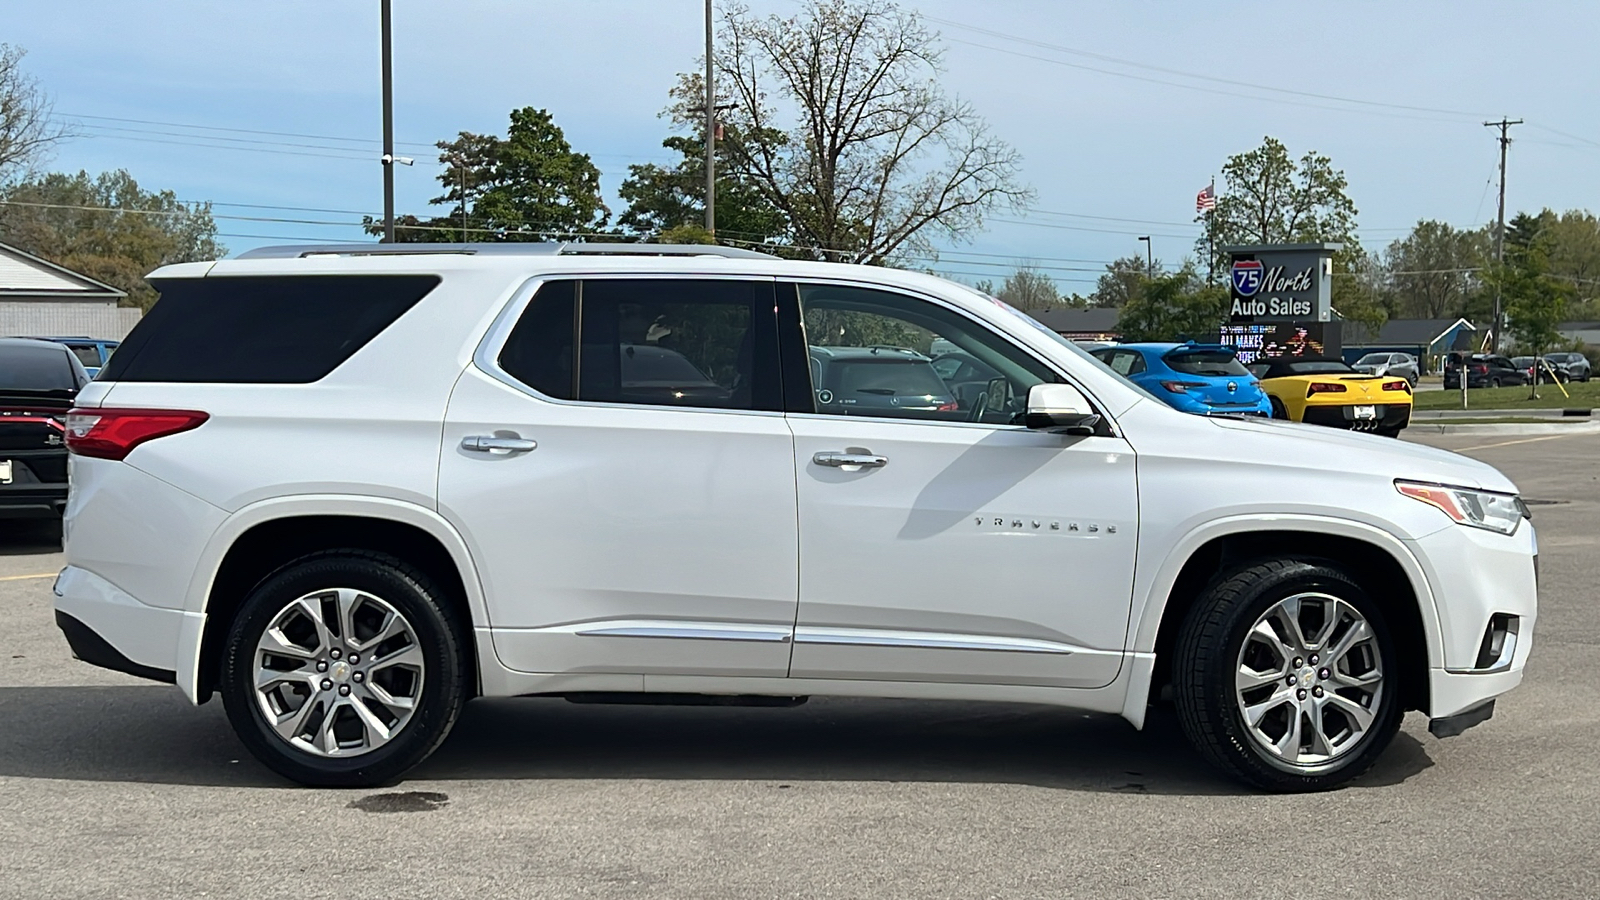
<point x="1379" y="562"/>
<point x="261" y="538"/>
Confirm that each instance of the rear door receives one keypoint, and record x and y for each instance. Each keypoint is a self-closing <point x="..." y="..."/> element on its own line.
<point x="618" y="462"/>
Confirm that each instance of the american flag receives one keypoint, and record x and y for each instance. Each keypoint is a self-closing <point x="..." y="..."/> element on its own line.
<point x="1206" y="199"/>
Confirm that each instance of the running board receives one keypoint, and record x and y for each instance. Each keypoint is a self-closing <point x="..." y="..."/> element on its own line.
<point x="641" y="698"/>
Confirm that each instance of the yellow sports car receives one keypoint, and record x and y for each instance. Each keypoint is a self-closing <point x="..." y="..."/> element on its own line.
<point x="1326" y="391"/>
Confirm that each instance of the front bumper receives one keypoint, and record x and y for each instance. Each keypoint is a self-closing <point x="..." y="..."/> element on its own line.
<point x="107" y="627"/>
<point x="1476" y="574"/>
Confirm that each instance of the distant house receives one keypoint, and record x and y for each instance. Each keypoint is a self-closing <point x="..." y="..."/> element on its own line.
<point x="1422" y="338"/>
<point x="1098" y="324"/>
<point x="1588" y="332"/>
<point x="42" y="299"/>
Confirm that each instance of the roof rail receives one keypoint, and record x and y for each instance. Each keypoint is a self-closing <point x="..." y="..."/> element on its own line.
<point x="508" y="248"/>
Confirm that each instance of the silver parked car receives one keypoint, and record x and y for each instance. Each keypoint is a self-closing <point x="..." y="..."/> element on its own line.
<point x="1403" y="365"/>
<point x="1575" y="365"/>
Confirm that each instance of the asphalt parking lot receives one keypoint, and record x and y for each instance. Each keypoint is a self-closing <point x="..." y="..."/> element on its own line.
<point x="114" y="787"/>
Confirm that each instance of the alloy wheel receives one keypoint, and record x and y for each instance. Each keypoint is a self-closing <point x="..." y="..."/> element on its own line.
<point x="338" y="672"/>
<point x="1310" y="681"/>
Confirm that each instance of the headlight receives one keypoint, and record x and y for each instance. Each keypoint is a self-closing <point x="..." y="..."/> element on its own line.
<point x="1496" y="512"/>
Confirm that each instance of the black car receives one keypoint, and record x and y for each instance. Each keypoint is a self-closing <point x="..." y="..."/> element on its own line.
<point x="38" y="381"/>
<point x="859" y="380"/>
<point x="1483" y="370"/>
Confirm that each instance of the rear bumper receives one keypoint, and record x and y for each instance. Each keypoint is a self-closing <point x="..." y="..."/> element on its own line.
<point x="33" y="502"/>
<point x="107" y="627"/>
<point x="1389" y="416"/>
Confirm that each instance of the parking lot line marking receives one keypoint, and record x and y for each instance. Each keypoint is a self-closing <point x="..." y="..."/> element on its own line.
<point x="1548" y="437"/>
<point x="26" y="577"/>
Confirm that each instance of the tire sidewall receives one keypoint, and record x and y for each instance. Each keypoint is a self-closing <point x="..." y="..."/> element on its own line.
<point x="1253" y="761"/>
<point x="440" y="699"/>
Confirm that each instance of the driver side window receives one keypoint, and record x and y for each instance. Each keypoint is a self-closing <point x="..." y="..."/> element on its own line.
<point x="887" y="355"/>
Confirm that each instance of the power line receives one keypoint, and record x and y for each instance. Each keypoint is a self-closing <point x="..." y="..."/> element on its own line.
<point x="316" y="137"/>
<point x="1195" y="75"/>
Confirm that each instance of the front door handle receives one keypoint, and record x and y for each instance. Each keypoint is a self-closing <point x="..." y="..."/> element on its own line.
<point x="484" y="443"/>
<point x="850" y="459"/>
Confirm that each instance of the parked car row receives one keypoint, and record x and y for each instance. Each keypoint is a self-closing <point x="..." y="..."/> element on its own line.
<point x="1208" y="379"/>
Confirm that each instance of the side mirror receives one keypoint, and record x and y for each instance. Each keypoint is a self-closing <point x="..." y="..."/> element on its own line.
<point x="1060" y="407"/>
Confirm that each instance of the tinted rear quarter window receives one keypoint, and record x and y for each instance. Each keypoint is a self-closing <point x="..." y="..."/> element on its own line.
<point x="292" y="329"/>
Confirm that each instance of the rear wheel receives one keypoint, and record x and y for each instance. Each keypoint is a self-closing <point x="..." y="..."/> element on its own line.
<point x="343" y="669"/>
<point x="1285" y="677"/>
<point x="1494" y="382"/>
<point x="1278" y="411"/>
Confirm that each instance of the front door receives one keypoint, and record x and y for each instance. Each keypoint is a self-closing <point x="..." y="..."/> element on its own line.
<point x="619" y="463"/>
<point x="952" y="545"/>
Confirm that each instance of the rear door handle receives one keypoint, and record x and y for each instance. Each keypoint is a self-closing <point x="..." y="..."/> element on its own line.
<point x="484" y="443"/>
<point x="850" y="459"/>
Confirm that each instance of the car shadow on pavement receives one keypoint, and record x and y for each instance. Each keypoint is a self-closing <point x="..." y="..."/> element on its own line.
<point x="151" y="734"/>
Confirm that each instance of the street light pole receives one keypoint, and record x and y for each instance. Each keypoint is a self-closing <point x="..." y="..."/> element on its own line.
<point x="388" y="129"/>
<point x="711" y="136"/>
<point x="1149" y="257"/>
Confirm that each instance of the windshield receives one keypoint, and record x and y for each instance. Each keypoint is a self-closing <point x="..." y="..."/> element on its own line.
<point x="889" y="377"/>
<point x="1205" y="362"/>
<point x="1373" y="359"/>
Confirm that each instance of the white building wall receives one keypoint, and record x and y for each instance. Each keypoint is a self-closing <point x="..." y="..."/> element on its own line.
<point x="65" y="318"/>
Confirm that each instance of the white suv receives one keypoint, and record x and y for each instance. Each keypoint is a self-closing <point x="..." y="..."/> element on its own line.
<point x="351" y="488"/>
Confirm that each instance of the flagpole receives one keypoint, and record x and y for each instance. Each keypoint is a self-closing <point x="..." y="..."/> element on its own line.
<point x="1211" y="250"/>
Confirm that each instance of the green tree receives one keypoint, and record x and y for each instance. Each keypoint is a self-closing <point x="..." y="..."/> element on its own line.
<point x="528" y="186"/>
<point x="1433" y="272"/>
<point x="1270" y="198"/>
<point x="1175" y="306"/>
<point x="838" y="120"/>
<point x="662" y="200"/>
<point x="1534" y="299"/>
<point x="1124" y="280"/>
<point x="1574" y="253"/>
<point x="107" y="227"/>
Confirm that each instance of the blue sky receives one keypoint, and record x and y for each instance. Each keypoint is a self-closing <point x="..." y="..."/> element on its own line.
<point x="1116" y="133"/>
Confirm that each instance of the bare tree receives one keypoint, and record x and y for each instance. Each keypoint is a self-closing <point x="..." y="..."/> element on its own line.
<point x="837" y="119"/>
<point x="27" y="125"/>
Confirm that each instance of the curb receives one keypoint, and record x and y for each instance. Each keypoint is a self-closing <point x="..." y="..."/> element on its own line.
<point x="1578" y="427"/>
<point x="1543" y="413"/>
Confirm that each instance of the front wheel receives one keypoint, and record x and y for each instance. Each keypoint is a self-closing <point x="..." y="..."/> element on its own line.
<point x="343" y="670"/>
<point x="1285" y="676"/>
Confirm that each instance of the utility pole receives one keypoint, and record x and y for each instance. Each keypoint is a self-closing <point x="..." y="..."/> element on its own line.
<point x="1500" y="229"/>
<point x="711" y="135"/>
<point x="388" y="130"/>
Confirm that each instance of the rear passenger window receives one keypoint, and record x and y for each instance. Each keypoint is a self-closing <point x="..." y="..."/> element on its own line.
<point x="658" y="342"/>
<point x="261" y="329"/>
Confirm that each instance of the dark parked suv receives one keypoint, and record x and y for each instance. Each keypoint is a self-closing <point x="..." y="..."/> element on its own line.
<point x="1483" y="370"/>
<point x="38" y="381"/>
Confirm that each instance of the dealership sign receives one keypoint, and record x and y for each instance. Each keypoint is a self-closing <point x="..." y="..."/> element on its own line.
<point x="1280" y="283"/>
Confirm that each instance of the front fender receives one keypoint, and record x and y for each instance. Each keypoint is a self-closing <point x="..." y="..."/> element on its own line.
<point x="1153" y="590"/>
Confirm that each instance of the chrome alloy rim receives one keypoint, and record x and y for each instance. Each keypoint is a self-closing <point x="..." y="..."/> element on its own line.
<point x="1309" y="680"/>
<point x="338" y="672"/>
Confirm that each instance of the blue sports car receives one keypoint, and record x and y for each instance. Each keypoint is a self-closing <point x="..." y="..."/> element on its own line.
<point x="1207" y="379"/>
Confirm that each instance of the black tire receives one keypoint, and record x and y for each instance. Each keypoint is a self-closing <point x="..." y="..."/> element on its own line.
<point x="1206" y="662"/>
<point x="1278" y="410"/>
<point x="438" y="700"/>
<point x="1494" y="382"/>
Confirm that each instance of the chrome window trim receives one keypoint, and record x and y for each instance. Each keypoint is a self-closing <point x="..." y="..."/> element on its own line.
<point x="486" y="358"/>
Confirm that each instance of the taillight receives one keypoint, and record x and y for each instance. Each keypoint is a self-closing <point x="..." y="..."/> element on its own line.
<point x="949" y="407"/>
<point x="113" y="433"/>
<point x="1182" y="387"/>
<point x="1481" y="370"/>
<point x="1325" y="387"/>
<point x="1401" y="385"/>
